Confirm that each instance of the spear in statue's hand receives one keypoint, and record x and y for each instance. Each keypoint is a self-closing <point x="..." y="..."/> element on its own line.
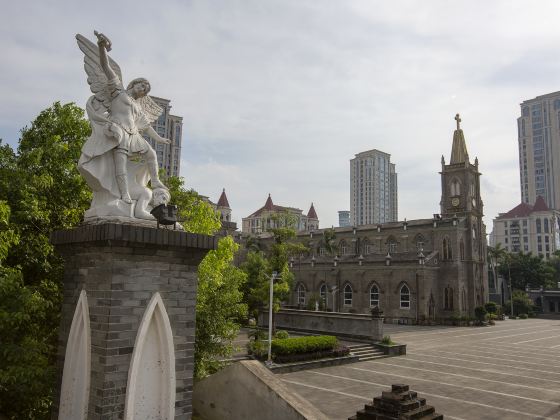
<point x="103" y="40"/>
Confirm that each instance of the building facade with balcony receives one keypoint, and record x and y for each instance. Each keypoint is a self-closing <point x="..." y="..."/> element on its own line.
<point x="528" y="228"/>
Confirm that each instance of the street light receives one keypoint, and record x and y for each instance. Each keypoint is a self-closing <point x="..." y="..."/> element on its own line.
<point x="272" y="278"/>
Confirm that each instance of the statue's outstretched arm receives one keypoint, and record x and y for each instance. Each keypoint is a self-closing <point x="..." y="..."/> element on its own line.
<point x="155" y="136"/>
<point x="104" y="45"/>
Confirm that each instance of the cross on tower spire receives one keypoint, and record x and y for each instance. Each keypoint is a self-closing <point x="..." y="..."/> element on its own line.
<point x="458" y="119"/>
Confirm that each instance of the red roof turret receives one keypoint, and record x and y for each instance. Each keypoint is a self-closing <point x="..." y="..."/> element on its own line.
<point x="312" y="214"/>
<point x="223" y="201"/>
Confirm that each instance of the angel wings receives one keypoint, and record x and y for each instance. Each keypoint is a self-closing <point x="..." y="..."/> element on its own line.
<point x="102" y="88"/>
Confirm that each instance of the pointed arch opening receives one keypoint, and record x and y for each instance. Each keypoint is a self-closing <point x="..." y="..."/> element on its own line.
<point x="348" y="295"/>
<point x="300" y="294"/>
<point x="405" y="297"/>
<point x="374" y="296"/>
<point x="74" y="392"/>
<point x="150" y="389"/>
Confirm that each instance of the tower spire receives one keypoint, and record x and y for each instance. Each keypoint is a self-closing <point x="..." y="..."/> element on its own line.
<point x="459" y="152"/>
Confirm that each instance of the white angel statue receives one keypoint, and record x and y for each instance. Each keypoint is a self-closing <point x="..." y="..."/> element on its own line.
<point x="117" y="161"/>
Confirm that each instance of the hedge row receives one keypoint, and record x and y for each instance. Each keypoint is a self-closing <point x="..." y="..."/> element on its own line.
<point x="306" y="344"/>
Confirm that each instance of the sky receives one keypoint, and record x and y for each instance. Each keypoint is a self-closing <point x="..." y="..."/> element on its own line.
<point x="278" y="95"/>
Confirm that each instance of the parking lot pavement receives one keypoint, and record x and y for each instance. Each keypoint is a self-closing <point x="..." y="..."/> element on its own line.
<point x="507" y="371"/>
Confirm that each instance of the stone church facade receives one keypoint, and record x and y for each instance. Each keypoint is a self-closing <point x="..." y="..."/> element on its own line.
<point x="415" y="271"/>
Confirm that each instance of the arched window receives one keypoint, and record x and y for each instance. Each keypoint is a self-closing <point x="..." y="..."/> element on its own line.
<point x="545" y="225"/>
<point x="420" y="241"/>
<point x="343" y="247"/>
<point x="366" y="247"/>
<point x="462" y="249"/>
<point x="300" y="292"/>
<point x="323" y="292"/>
<point x="455" y="187"/>
<point x="391" y="245"/>
<point x="538" y="225"/>
<point x="405" y="297"/>
<point x="322" y="250"/>
<point x="374" y="296"/>
<point x="448" y="299"/>
<point x="348" y="295"/>
<point x="447" y="252"/>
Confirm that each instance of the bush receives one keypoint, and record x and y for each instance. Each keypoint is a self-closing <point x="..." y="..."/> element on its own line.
<point x="258" y="348"/>
<point x="258" y="334"/>
<point x="303" y="344"/>
<point x="492" y="307"/>
<point x="281" y="334"/>
<point x="523" y="316"/>
<point x="313" y="299"/>
<point x="298" y="357"/>
<point x="522" y="304"/>
<point x="480" y="313"/>
<point x="387" y="340"/>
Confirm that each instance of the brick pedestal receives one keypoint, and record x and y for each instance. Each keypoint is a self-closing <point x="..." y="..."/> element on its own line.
<point x="121" y="267"/>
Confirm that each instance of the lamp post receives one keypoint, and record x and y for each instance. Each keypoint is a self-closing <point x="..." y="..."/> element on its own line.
<point x="272" y="278"/>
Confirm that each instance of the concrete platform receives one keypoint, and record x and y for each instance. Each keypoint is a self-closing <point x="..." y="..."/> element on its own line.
<point x="507" y="371"/>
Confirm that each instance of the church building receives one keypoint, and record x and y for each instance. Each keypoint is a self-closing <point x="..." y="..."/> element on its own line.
<point x="415" y="271"/>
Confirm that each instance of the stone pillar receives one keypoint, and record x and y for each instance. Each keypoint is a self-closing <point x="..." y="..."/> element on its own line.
<point x="376" y="324"/>
<point x="139" y="285"/>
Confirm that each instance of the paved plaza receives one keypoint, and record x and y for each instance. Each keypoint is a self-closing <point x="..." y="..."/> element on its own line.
<point x="507" y="371"/>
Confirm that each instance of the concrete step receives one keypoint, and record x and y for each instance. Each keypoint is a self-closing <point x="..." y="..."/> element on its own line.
<point x="366" y="352"/>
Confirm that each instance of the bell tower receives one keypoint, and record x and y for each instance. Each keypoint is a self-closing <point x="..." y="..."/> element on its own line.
<point x="460" y="180"/>
<point x="460" y="200"/>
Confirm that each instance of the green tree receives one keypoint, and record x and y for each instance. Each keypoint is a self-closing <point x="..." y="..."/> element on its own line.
<point x="522" y="304"/>
<point x="527" y="269"/>
<point x="496" y="257"/>
<point x="195" y="214"/>
<point x="44" y="192"/>
<point x="259" y="266"/>
<point x="219" y="307"/>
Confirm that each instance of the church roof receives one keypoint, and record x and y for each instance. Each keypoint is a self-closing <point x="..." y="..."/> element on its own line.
<point x="540" y="205"/>
<point x="459" y="152"/>
<point x="524" y="209"/>
<point x="312" y="214"/>
<point x="270" y="206"/>
<point x="223" y="201"/>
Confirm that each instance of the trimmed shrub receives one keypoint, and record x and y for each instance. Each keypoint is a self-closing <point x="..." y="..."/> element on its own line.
<point x="523" y="316"/>
<point x="303" y="344"/>
<point x="480" y="313"/>
<point x="492" y="307"/>
<point x="281" y="334"/>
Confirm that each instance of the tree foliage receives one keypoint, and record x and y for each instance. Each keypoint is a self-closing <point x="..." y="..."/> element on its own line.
<point x="522" y="304"/>
<point x="41" y="191"/>
<point x="219" y="307"/>
<point x="259" y="267"/>
<point x="527" y="269"/>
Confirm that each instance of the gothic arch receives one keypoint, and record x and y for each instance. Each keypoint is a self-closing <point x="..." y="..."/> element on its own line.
<point x="419" y="242"/>
<point x="455" y="187"/>
<point x="150" y="390"/>
<point x="447" y="250"/>
<point x="74" y="392"/>
<point x="348" y="294"/>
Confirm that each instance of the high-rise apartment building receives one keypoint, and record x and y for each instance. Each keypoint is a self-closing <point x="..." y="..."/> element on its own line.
<point x="170" y="127"/>
<point x="373" y="188"/>
<point x="539" y="144"/>
<point x="344" y="218"/>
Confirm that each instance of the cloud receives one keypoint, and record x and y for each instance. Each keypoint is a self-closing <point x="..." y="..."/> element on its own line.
<point x="278" y="96"/>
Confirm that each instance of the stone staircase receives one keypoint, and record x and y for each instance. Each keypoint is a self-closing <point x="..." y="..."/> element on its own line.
<point x="400" y="403"/>
<point x="366" y="352"/>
